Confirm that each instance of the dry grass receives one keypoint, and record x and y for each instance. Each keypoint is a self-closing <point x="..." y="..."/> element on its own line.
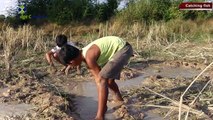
<point x="172" y="39"/>
<point x="181" y="98"/>
<point x="166" y="39"/>
<point x="25" y="38"/>
<point x="163" y="94"/>
<point x="160" y="36"/>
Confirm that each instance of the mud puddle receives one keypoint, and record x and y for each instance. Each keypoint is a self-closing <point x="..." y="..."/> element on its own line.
<point x="86" y="100"/>
<point x="86" y="92"/>
<point x="13" y="110"/>
<point x="26" y="97"/>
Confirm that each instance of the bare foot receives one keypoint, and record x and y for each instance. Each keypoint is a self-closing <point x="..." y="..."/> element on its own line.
<point x="115" y="103"/>
<point x="117" y="97"/>
<point x="97" y="118"/>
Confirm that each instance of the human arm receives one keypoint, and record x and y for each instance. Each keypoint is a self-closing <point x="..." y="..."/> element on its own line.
<point x="92" y="56"/>
<point x="91" y="60"/>
<point x="48" y="56"/>
<point x="67" y="68"/>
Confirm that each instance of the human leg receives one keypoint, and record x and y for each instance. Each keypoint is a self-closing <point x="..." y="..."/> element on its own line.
<point x="114" y="88"/>
<point x="102" y="88"/>
<point x="114" y="67"/>
<point x="55" y="56"/>
<point x="109" y="73"/>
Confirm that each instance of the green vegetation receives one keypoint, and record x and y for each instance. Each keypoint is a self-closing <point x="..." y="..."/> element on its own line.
<point x="87" y="11"/>
<point x="150" y="26"/>
<point x="156" y="29"/>
<point x="66" y="11"/>
<point x="159" y="10"/>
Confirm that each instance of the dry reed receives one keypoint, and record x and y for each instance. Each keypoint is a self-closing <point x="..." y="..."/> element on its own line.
<point x="25" y="38"/>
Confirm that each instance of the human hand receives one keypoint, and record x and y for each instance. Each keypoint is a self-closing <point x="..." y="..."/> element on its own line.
<point x="67" y="70"/>
<point x="63" y="69"/>
<point x="79" y="72"/>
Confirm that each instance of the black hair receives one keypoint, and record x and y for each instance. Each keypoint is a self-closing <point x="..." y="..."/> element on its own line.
<point x="68" y="53"/>
<point x="61" y="40"/>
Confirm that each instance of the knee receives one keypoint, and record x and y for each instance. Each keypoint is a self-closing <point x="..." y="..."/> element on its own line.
<point x="55" y="55"/>
<point x="110" y="82"/>
<point x="102" y="82"/>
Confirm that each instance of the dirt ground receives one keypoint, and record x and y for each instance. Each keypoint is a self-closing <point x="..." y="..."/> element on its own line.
<point x="161" y="95"/>
<point x="33" y="82"/>
<point x="45" y="90"/>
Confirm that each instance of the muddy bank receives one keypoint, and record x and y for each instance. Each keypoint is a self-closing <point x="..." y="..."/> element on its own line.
<point x="37" y="98"/>
<point x="150" y="75"/>
<point x="56" y="96"/>
<point x="159" y="93"/>
<point x="14" y="111"/>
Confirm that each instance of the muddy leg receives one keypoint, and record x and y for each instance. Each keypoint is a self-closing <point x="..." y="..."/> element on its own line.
<point x="114" y="88"/>
<point x="55" y="56"/>
<point x="102" y="98"/>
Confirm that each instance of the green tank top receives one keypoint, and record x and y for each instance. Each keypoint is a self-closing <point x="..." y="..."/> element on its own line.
<point x="108" y="46"/>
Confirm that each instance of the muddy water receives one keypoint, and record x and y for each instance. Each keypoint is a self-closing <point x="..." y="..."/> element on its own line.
<point x="10" y="111"/>
<point x="87" y="93"/>
<point x="14" y="111"/>
<point x="171" y="72"/>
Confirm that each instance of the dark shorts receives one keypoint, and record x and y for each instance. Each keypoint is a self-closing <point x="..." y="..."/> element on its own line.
<point x="113" y="68"/>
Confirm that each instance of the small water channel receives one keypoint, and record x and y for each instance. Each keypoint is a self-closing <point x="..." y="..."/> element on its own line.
<point x="13" y="111"/>
<point x="86" y="92"/>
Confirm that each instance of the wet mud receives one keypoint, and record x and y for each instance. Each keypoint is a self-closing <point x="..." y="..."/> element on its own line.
<point x="132" y="86"/>
<point x="43" y="94"/>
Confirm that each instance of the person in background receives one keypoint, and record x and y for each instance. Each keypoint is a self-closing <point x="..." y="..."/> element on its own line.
<point x="105" y="58"/>
<point x="53" y="53"/>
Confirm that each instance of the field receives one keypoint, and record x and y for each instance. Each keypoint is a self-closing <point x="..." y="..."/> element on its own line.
<point x="173" y="58"/>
